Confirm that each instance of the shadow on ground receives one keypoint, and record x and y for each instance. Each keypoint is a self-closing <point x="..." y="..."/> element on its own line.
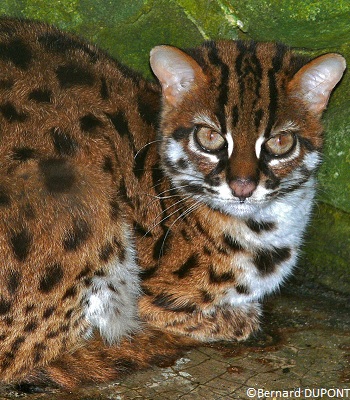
<point x="304" y="343"/>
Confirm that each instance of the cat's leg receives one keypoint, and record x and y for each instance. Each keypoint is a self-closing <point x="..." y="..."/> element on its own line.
<point x="112" y="294"/>
<point x="218" y="323"/>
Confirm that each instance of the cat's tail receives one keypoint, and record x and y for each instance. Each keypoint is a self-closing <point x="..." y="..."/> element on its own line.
<point x="98" y="362"/>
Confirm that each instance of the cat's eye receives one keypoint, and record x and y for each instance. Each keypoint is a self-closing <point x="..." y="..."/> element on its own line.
<point x="280" y="144"/>
<point x="209" y="139"/>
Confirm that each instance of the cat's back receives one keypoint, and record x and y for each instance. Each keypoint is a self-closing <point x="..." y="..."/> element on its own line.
<point x="63" y="108"/>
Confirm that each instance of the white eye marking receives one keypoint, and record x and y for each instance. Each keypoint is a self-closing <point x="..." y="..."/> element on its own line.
<point x="258" y="145"/>
<point x="229" y="144"/>
<point x="192" y="146"/>
<point x="312" y="160"/>
<point x="175" y="151"/>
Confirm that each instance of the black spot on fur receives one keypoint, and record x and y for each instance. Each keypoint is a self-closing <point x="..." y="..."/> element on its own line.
<point x="40" y="95"/>
<point x="4" y="197"/>
<point x="261" y="226"/>
<point x="38" y="351"/>
<point x="70" y="293"/>
<point x="267" y="261"/>
<point x="52" y="334"/>
<point x="106" y="252"/>
<point x="16" y="51"/>
<point x="17" y="344"/>
<point x="242" y="289"/>
<point x="148" y="107"/>
<point x="48" y="312"/>
<point x="63" y="143"/>
<point x="100" y="272"/>
<point x="139" y="162"/>
<point x="108" y="165"/>
<point x="29" y="308"/>
<point x="76" y="237"/>
<point x="52" y="277"/>
<point x="23" y="153"/>
<point x="5" y="305"/>
<point x="121" y="250"/>
<point x="30" y="326"/>
<point x="115" y="209"/>
<point x="10" y="113"/>
<point x="168" y="302"/>
<point x="13" y="282"/>
<point x="206" y="296"/>
<point x="104" y="89"/>
<point x="58" y="175"/>
<point x="72" y="74"/>
<point x="6" y="83"/>
<point x="185" y="235"/>
<point x="21" y="242"/>
<point x="148" y="273"/>
<point x="187" y="267"/>
<point x="89" y="123"/>
<point x="68" y="314"/>
<point x="217" y="278"/>
<point x="232" y="243"/>
<point x="84" y="273"/>
<point x="120" y="123"/>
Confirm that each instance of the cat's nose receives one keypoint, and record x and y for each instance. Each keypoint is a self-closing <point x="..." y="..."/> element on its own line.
<point x="242" y="187"/>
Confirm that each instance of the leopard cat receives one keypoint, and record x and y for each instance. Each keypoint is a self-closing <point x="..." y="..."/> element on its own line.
<point x="135" y="213"/>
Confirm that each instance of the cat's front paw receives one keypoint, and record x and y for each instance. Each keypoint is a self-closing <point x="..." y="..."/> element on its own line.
<point x="220" y="323"/>
<point x="225" y="323"/>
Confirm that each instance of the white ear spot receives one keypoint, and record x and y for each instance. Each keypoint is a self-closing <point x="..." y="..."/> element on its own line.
<point x="314" y="82"/>
<point x="177" y="72"/>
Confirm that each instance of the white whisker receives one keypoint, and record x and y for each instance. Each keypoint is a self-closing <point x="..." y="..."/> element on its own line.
<point x="147" y="144"/>
<point x="192" y="208"/>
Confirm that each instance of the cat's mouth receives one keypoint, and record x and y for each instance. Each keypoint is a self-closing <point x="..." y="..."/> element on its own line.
<point x="237" y="207"/>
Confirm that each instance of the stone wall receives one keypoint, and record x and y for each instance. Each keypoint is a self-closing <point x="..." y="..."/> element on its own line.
<point x="129" y="29"/>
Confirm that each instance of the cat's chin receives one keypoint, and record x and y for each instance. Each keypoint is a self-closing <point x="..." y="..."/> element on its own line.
<point x="237" y="209"/>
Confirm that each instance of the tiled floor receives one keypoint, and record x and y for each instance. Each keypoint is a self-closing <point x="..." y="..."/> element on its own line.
<point x="304" y="347"/>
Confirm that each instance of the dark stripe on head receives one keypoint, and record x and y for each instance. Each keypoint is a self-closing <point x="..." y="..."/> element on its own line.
<point x="277" y="63"/>
<point x="223" y="86"/>
<point x="181" y="133"/>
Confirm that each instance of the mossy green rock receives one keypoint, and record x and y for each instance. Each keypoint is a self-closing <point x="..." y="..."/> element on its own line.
<point x="129" y="29"/>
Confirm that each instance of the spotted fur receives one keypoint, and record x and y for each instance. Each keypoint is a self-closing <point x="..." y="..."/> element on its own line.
<point x="109" y="182"/>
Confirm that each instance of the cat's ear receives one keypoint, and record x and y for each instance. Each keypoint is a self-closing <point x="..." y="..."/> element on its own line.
<point x="177" y="72"/>
<point x="314" y="82"/>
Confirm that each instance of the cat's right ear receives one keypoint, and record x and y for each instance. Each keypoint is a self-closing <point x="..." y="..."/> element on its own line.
<point x="314" y="82"/>
<point x="177" y="72"/>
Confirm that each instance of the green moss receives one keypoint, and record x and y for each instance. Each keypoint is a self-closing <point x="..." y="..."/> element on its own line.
<point x="307" y="24"/>
<point x="129" y="29"/>
<point x="335" y="172"/>
<point x="327" y="252"/>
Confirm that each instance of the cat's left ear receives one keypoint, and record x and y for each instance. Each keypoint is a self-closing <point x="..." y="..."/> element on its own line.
<point x="177" y="72"/>
<point x="314" y="82"/>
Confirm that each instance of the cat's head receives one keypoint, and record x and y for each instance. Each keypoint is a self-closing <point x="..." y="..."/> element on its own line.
<point x="240" y="124"/>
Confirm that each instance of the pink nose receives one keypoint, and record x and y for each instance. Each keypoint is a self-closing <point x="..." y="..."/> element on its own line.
<point x="242" y="188"/>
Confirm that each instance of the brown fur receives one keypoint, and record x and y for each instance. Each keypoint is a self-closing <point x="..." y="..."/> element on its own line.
<point x="79" y="162"/>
